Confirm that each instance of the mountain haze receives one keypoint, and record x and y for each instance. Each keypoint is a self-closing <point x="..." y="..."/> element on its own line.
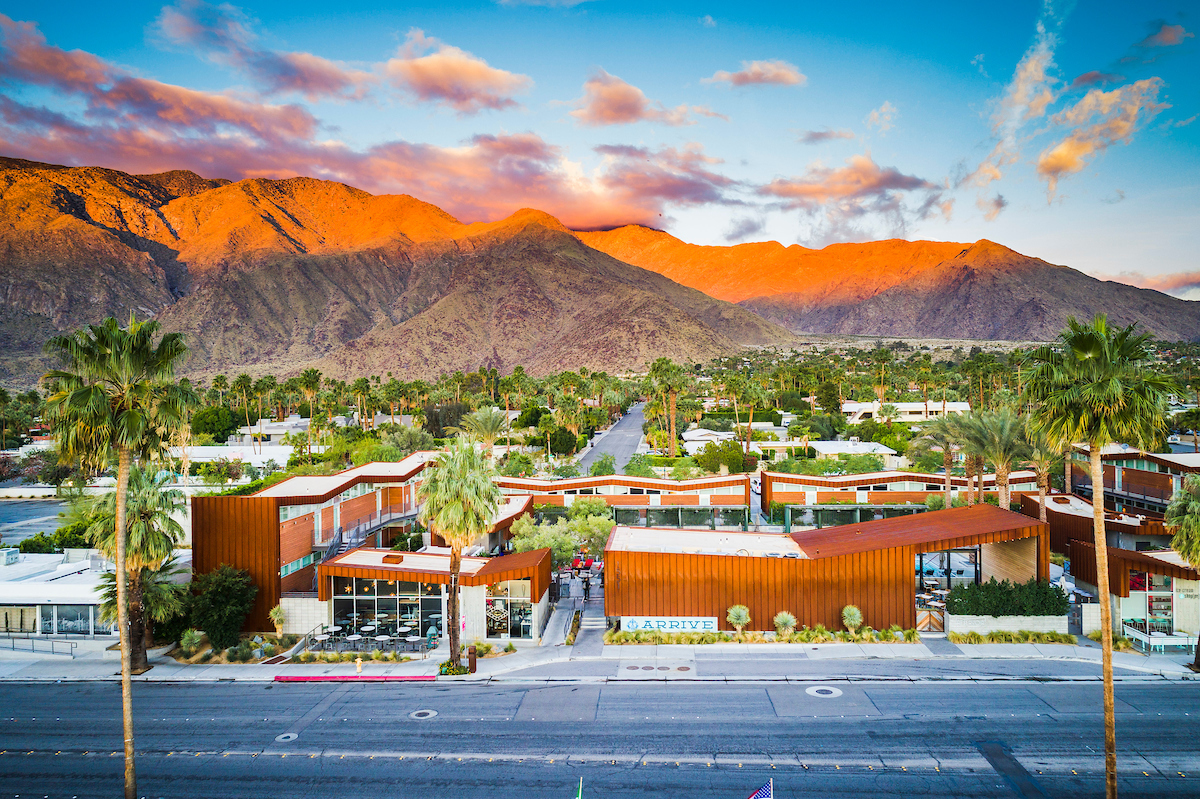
<point x="917" y="289"/>
<point x="278" y="275"/>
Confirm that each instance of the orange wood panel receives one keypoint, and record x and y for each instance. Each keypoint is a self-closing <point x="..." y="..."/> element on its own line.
<point x="295" y="538"/>
<point x="242" y="532"/>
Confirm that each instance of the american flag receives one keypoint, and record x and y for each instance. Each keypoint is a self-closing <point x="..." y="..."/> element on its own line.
<point x="765" y="792"/>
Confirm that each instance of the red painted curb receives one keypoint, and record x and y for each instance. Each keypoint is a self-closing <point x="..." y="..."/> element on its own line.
<point x="353" y="678"/>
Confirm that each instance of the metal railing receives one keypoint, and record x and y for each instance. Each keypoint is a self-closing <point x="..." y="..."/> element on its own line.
<point x="47" y="646"/>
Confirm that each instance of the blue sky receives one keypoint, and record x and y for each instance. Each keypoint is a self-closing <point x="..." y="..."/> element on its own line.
<point x="1065" y="131"/>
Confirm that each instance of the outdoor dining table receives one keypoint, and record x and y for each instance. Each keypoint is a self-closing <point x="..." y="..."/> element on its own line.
<point x="367" y="628"/>
<point x="941" y="591"/>
<point x="383" y="639"/>
<point x="404" y="629"/>
<point x="937" y="604"/>
<point x="353" y="640"/>
<point x="412" y="641"/>
<point x="321" y="639"/>
<point x="335" y="629"/>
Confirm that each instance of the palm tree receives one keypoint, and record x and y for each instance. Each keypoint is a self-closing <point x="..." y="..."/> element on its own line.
<point x="1093" y="385"/>
<point x="113" y="395"/>
<point x="754" y="396"/>
<point x="997" y="436"/>
<point x="221" y="385"/>
<point x="485" y="426"/>
<point x="940" y="434"/>
<point x="263" y="387"/>
<point x="243" y="384"/>
<point x="1183" y="516"/>
<point x="669" y="379"/>
<point x="309" y="384"/>
<point x="152" y="535"/>
<point x="459" y="500"/>
<point x="1041" y="458"/>
<point x="162" y="594"/>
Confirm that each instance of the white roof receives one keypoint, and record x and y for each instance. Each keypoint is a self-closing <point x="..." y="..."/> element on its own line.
<point x="1069" y="503"/>
<point x="320" y="485"/>
<point x="704" y="434"/>
<point x="902" y="407"/>
<point x="702" y="542"/>
<point x="851" y="448"/>
<point x="1169" y="556"/>
<point x="236" y="452"/>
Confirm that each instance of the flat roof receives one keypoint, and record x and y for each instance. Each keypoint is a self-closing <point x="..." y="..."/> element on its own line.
<point x="851" y="447"/>
<point x="315" y="487"/>
<point x="701" y="542"/>
<point x="1077" y="506"/>
<point x="952" y="528"/>
<point x="423" y="562"/>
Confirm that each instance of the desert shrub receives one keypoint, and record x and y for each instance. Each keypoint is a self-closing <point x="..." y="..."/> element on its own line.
<point x="207" y="656"/>
<point x="307" y="657"/>
<point x="605" y="464"/>
<point x="1034" y="598"/>
<point x="738" y="617"/>
<point x="852" y="617"/>
<point x="784" y="622"/>
<point x="189" y="642"/>
<point x="448" y="667"/>
<point x="511" y="647"/>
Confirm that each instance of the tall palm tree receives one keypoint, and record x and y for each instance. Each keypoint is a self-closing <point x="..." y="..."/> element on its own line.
<point x="162" y="594"/>
<point x="940" y="434"/>
<point x="1042" y="458"/>
<point x="755" y="396"/>
<point x="997" y="436"/>
<point x="459" y="498"/>
<point x="263" y="387"/>
<point x="1183" y="516"/>
<point x="151" y="537"/>
<point x="113" y="395"/>
<point x="242" y="385"/>
<point x="309" y="384"/>
<point x="1093" y="385"/>
<point x="669" y="378"/>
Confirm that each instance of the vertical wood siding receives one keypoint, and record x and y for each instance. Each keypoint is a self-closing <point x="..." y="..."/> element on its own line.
<point x="242" y="532"/>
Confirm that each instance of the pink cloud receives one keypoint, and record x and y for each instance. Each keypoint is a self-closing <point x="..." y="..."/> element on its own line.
<point x="818" y="136"/>
<point x="1099" y="120"/>
<point x="848" y="197"/>
<point x="668" y="175"/>
<point x="1094" y="77"/>
<point x="758" y="73"/>
<point x="608" y="100"/>
<point x="224" y="34"/>
<point x="1166" y="36"/>
<point x="448" y="75"/>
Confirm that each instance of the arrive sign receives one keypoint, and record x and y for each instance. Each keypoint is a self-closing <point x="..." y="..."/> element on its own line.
<point x="670" y="624"/>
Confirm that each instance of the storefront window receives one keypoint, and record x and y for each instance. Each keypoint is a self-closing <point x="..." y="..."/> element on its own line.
<point x="509" y="610"/>
<point x="343" y="586"/>
<point x="1137" y="581"/>
<point x="74" y="620"/>
<point x="47" y="626"/>
<point x="388" y="605"/>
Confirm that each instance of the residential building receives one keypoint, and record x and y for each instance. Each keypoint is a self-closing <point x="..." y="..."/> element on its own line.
<point x="906" y="412"/>
<point x="1135" y="481"/>
<point x="881" y="488"/>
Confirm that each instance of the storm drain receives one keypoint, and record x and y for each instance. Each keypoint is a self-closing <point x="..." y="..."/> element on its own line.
<point x="287" y="736"/>
<point x="422" y="714"/>
<point x="823" y="691"/>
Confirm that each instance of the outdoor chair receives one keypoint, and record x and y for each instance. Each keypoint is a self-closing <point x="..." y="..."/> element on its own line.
<point x="431" y="640"/>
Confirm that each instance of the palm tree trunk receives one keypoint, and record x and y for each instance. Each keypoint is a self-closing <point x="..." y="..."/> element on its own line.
<point x="980" y="465"/>
<point x="452" y="604"/>
<point x="948" y="464"/>
<point x="1043" y="482"/>
<point x="137" y="628"/>
<point x="1067" y="472"/>
<point x="674" y="396"/>
<point x="508" y="436"/>
<point x="124" y="461"/>
<point x="969" y="469"/>
<point x="1005" y="496"/>
<point x="1106" y="630"/>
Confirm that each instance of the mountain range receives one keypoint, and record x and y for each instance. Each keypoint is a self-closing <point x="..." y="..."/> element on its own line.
<point x="278" y="275"/>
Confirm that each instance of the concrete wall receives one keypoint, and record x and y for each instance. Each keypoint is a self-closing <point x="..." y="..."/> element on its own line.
<point x="1187" y="605"/>
<point x="541" y="616"/>
<point x="991" y="624"/>
<point x="472" y="599"/>
<point x="1010" y="560"/>
<point x="303" y="614"/>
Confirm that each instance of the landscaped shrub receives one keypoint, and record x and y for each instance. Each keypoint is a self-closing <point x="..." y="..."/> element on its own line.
<point x="1120" y="642"/>
<point x="738" y="617"/>
<point x="1034" y="598"/>
<point x="1010" y="637"/>
<point x="784" y="623"/>
<point x="189" y="642"/>
<point x="448" y="667"/>
<point x="852" y="617"/>
<point x="511" y="647"/>
<point x="223" y="598"/>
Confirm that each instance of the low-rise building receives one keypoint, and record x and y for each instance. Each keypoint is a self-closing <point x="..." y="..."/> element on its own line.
<point x="1135" y="481"/>
<point x="906" y="412"/>
<point x="877" y="488"/>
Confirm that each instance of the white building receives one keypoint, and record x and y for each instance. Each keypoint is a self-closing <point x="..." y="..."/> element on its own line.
<point x="906" y="412"/>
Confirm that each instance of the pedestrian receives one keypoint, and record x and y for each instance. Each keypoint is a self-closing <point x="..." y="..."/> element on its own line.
<point x="587" y="588"/>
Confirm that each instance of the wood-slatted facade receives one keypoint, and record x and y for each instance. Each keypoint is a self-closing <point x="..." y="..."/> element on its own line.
<point x="1120" y="563"/>
<point x="533" y="566"/>
<point x="242" y="532"/>
<point x="870" y="565"/>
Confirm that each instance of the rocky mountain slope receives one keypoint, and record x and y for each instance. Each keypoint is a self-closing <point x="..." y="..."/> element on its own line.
<point x="900" y="288"/>
<point x="278" y="275"/>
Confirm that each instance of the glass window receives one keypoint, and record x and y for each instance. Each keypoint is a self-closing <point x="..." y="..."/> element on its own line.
<point x="497" y="617"/>
<point x="342" y="608"/>
<point x="98" y="626"/>
<point x="365" y="608"/>
<point x="47" y="625"/>
<point x="343" y="586"/>
<point x="431" y="589"/>
<point x="364" y="587"/>
<point x="404" y="588"/>
<point x="74" y="619"/>
<point x="385" y="587"/>
<point x="1160" y="582"/>
<point x="431" y="616"/>
<point x="520" y="619"/>
<point x="519" y="588"/>
<point x="1137" y="581"/>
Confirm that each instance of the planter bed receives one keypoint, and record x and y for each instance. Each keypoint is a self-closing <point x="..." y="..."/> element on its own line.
<point x="957" y="623"/>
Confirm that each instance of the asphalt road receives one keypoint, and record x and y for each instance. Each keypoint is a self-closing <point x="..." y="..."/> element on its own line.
<point x="883" y="739"/>
<point x="621" y="441"/>
<point x="22" y="518"/>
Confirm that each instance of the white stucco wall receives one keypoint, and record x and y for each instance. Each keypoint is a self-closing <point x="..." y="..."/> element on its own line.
<point x="303" y="614"/>
<point x="991" y="624"/>
<point x="471" y="602"/>
<point x="1187" y="605"/>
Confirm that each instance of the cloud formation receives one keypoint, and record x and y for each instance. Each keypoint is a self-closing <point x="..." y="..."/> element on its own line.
<point x="1099" y="120"/>
<point x="1166" y="36"/>
<point x="818" y="136"/>
<point x="223" y="34"/>
<point x="608" y="100"/>
<point x="1094" y="77"/>
<point x="707" y="21"/>
<point x="882" y="117"/>
<point x="759" y="73"/>
<point x="451" y="76"/>
<point x="744" y="228"/>
<point x="145" y="126"/>
<point x="845" y="200"/>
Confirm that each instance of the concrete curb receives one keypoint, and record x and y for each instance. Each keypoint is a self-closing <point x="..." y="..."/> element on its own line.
<point x="354" y="678"/>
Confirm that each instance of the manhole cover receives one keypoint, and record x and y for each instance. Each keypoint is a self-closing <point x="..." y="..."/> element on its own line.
<point x="422" y="714"/>
<point x="631" y="668"/>
<point x="664" y="668"/>
<point x="647" y="668"/>
<point x="684" y="668"/>
<point x="823" y="691"/>
<point x="287" y="736"/>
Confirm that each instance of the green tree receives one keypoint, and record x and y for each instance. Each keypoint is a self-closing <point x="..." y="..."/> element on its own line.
<point x="1094" y="385"/>
<point x="113" y="395"/>
<point x="669" y="379"/>
<point x="220" y="602"/>
<point x="485" y="426"/>
<point x="639" y="466"/>
<point x="408" y="440"/>
<point x="1042" y="458"/>
<point x="605" y="464"/>
<point x="940" y="435"/>
<point x="218" y="422"/>
<point x="999" y="436"/>
<point x="556" y="537"/>
<point x="152" y="535"/>
<point x="829" y="397"/>
<point x="459" y="499"/>
<point x="242" y="386"/>
<point x="1183" y="518"/>
<point x="163" y="594"/>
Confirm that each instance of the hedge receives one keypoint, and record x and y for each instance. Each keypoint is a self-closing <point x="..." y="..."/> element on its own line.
<point x="743" y="415"/>
<point x="1034" y="598"/>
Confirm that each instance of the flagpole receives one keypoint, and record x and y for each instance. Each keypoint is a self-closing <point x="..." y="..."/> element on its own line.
<point x="580" y="794"/>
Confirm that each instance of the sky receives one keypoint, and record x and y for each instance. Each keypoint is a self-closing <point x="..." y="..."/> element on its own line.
<point x="1064" y="130"/>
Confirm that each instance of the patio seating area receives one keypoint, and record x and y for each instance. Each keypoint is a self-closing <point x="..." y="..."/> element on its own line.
<point x="383" y="635"/>
<point x="1153" y="637"/>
